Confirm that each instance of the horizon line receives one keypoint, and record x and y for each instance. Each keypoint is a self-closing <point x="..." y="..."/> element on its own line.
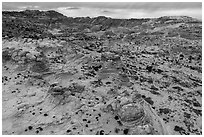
<point x="101" y="15"/>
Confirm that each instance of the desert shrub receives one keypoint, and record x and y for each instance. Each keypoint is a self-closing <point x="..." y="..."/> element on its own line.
<point x="6" y="56"/>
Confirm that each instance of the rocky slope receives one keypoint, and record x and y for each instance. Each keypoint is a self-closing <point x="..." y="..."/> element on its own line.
<point x="63" y="75"/>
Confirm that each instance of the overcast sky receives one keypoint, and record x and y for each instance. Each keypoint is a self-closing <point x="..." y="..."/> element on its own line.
<point x="113" y="9"/>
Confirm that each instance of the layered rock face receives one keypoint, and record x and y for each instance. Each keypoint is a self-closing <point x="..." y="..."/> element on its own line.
<point x="100" y="76"/>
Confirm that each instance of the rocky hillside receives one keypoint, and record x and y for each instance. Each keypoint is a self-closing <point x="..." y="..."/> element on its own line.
<point x="63" y="75"/>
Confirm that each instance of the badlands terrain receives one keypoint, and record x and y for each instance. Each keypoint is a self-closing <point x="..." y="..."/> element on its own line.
<point x="100" y="76"/>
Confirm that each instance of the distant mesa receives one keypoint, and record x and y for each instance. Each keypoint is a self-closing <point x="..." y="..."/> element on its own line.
<point x="107" y="11"/>
<point x="72" y="8"/>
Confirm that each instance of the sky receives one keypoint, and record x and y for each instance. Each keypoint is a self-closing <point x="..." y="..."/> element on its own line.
<point x="113" y="9"/>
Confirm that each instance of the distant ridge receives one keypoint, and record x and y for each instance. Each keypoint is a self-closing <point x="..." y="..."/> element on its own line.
<point x="53" y="13"/>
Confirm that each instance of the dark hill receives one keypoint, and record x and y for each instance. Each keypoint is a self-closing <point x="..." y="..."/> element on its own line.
<point x="36" y="24"/>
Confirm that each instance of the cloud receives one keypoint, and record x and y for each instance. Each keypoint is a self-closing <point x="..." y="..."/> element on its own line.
<point x="36" y="7"/>
<point x="28" y="7"/>
<point x="150" y="6"/>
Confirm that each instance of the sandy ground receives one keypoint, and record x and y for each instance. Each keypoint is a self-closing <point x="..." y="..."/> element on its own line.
<point x="64" y="95"/>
